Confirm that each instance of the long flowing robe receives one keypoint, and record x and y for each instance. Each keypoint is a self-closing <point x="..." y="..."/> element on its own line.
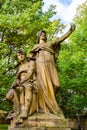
<point x="47" y="78"/>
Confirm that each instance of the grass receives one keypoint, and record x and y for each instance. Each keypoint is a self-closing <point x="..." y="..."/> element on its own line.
<point x="3" y="126"/>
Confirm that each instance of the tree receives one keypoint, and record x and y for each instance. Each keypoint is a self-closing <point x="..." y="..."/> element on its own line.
<point x="19" y="23"/>
<point x="72" y="67"/>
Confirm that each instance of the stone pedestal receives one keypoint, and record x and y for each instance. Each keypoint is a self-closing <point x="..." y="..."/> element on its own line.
<point x="39" y="128"/>
<point x="41" y="122"/>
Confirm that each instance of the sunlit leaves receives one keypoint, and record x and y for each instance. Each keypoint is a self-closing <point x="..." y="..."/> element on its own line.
<point x="72" y="67"/>
<point x="20" y="20"/>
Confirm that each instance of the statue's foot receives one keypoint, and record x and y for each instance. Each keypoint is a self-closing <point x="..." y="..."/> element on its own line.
<point x="10" y="115"/>
<point x="18" y="122"/>
<point x="24" y="114"/>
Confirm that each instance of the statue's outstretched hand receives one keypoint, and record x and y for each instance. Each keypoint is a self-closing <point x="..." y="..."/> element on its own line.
<point x="73" y="26"/>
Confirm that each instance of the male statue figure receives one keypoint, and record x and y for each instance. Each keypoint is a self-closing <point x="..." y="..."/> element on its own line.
<point x="23" y="92"/>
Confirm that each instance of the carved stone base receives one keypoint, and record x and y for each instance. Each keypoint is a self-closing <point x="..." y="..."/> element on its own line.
<point x="41" y="122"/>
<point x="39" y="128"/>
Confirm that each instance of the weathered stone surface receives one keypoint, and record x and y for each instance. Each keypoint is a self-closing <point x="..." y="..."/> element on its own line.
<point x="41" y="122"/>
<point x="38" y="128"/>
<point x="47" y="120"/>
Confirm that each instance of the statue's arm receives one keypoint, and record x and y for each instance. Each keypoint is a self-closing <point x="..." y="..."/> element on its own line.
<point x="30" y="72"/>
<point x="27" y="77"/>
<point x="68" y="33"/>
<point x="65" y="36"/>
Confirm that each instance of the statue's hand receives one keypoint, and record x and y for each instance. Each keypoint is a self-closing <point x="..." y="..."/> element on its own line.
<point x="15" y="84"/>
<point x="73" y="26"/>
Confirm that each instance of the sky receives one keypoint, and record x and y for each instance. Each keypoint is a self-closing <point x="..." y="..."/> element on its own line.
<point x="66" y="9"/>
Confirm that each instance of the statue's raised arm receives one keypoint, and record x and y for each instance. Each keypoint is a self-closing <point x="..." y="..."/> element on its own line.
<point x="65" y="36"/>
<point x="56" y="43"/>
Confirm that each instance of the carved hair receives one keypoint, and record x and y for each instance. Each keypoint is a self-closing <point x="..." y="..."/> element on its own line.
<point x="39" y="34"/>
<point x="21" y="52"/>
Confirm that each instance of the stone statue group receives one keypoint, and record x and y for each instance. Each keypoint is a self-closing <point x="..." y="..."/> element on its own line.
<point x="36" y="83"/>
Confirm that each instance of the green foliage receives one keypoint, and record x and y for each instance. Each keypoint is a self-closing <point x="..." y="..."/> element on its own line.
<point x="3" y="126"/>
<point x="19" y="23"/>
<point x="72" y="67"/>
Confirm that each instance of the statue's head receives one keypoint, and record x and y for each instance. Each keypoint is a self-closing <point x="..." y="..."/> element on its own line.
<point x="41" y="35"/>
<point x="20" y="55"/>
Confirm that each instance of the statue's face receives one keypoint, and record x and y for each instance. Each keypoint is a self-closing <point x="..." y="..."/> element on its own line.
<point x="20" y="57"/>
<point x="42" y="36"/>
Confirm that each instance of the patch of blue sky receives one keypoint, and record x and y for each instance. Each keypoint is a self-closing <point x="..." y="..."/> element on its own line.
<point x="66" y="2"/>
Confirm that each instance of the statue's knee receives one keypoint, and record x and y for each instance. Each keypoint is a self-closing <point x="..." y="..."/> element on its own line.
<point x="21" y="89"/>
<point x="28" y="88"/>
